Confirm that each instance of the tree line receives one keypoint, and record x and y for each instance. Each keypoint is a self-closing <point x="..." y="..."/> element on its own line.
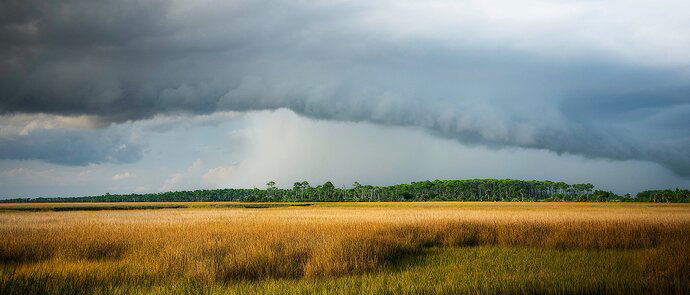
<point x="474" y="190"/>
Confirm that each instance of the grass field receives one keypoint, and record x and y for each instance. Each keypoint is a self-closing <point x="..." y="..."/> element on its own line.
<point x="371" y="248"/>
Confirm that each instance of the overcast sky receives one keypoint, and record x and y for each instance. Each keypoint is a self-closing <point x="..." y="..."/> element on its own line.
<point x="145" y="96"/>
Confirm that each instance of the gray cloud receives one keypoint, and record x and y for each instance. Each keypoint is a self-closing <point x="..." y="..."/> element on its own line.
<point x="541" y="82"/>
<point x="71" y="147"/>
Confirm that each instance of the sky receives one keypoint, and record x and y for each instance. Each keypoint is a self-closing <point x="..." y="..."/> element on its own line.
<point x="145" y="96"/>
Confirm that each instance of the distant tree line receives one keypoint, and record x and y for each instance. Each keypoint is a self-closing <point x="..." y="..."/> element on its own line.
<point x="665" y="196"/>
<point x="482" y="190"/>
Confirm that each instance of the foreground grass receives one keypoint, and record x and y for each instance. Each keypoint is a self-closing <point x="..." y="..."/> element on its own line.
<point x="351" y="248"/>
<point x="484" y="269"/>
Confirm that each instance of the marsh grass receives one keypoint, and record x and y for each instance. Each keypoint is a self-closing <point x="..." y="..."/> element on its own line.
<point x="58" y="207"/>
<point x="396" y="248"/>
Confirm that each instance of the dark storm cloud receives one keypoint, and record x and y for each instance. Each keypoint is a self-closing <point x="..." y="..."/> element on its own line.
<point x="128" y="60"/>
<point x="71" y="147"/>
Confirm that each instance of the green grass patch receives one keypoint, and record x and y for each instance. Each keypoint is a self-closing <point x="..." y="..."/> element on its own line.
<point x="489" y="270"/>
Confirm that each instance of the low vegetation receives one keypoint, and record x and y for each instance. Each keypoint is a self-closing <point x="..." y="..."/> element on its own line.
<point x="57" y="207"/>
<point x="438" y="248"/>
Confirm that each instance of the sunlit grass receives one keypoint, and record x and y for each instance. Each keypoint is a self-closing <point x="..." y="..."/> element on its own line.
<point x="350" y="248"/>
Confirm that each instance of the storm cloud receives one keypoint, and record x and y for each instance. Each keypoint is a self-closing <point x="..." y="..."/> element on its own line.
<point x="599" y="79"/>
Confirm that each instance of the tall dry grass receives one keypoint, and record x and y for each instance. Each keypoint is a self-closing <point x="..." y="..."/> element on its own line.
<point x="223" y="246"/>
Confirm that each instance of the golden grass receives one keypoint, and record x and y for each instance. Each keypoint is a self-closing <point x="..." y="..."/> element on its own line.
<point x="232" y="248"/>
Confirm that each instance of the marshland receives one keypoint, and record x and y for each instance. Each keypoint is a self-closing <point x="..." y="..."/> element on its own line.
<point x="349" y="248"/>
<point x="344" y="147"/>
